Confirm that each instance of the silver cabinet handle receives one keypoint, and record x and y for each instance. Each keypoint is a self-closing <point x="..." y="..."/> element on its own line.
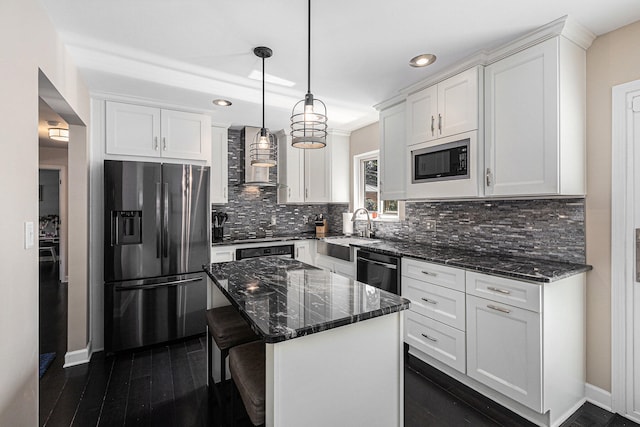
<point x="164" y="143"/>
<point x="440" y="123"/>
<point x="155" y="140"/>
<point x="500" y="309"/>
<point x="430" y="301"/>
<point x="297" y="253"/>
<point x="488" y="177"/>
<point x="306" y="193"/>
<point x="429" y="338"/>
<point x="428" y="273"/>
<point x="224" y="192"/>
<point x="432" y="125"/>
<point x="289" y="192"/>
<point x="502" y="291"/>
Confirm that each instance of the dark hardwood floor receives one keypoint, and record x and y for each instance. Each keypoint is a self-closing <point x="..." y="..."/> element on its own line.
<point x="166" y="386"/>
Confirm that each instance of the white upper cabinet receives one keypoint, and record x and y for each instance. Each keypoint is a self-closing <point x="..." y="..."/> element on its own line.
<point x="135" y="130"/>
<point x="534" y="121"/>
<point x="314" y="175"/>
<point x="219" y="165"/>
<point x="445" y="109"/>
<point x="393" y="153"/>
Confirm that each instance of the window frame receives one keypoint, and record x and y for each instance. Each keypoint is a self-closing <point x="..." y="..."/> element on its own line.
<point x="359" y="189"/>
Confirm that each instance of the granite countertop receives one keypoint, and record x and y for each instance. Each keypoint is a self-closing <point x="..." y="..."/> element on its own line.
<point x="530" y="269"/>
<point x="284" y="299"/>
<point x="242" y="239"/>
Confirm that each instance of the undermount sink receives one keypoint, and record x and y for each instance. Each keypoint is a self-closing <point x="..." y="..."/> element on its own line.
<point x="339" y="247"/>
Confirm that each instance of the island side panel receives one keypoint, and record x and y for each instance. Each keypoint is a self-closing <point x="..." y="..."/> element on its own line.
<point x="215" y="298"/>
<point x="351" y="375"/>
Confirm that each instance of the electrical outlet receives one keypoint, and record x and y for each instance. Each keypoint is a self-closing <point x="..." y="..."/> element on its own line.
<point x="273" y="220"/>
<point x="305" y="219"/>
<point x="430" y="225"/>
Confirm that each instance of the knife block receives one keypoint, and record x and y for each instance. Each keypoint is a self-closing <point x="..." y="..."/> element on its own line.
<point x="322" y="229"/>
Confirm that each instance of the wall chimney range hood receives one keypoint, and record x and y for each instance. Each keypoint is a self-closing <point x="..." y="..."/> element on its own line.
<point x="254" y="175"/>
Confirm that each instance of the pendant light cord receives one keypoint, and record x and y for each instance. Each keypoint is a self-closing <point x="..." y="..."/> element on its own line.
<point x="262" y="93"/>
<point x="309" y="50"/>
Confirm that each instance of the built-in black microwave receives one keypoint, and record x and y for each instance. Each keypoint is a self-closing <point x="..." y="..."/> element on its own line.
<point x="441" y="162"/>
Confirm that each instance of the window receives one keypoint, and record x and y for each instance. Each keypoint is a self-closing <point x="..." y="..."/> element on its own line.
<point x="367" y="188"/>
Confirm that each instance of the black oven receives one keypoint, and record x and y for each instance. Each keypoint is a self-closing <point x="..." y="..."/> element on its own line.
<point x="381" y="271"/>
<point x="441" y="162"/>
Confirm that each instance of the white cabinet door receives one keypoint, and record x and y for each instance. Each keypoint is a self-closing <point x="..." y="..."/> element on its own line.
<point x="504" y="350"/>
<point x="303" y="252"/>
<point x="223" y="253"/>
<point x="393" y="183"/>
<point x="132" y="130"/>
<point x="290" y="171"/>
<point x="317" y="176"/>
<point x="219" y="165"/>
<point x="184" y="135"/>
<point x="458" y="103"/>
<point x="521" y="122"/>
<point x="422" y="115"/>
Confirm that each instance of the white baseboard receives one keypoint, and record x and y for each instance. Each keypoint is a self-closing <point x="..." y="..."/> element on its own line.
<point x="598" y="396"/>
<point x="77" y="357"/>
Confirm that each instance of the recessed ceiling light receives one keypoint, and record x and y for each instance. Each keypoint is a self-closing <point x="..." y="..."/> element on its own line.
<point x="422" y="60"/>
<point x="222" y="102"/>
<point x="257" y="75"/>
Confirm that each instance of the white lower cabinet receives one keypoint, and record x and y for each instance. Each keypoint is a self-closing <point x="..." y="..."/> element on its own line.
<point x="223" y="253"/>
<point x="519" y="343"/>
<point x="504" y="349"/>
<point x="435" y="339"/>
<point x="304" y="251"/>
<point x="336" y="265"/>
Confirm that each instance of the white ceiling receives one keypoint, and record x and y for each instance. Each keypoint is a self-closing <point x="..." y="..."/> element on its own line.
<point x="189" y="52"/>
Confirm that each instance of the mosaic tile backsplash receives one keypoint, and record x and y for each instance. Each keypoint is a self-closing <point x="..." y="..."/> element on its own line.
<point x="545" y="229"/>
<point x="550" y="229"/>
<point x="251" y="209"/>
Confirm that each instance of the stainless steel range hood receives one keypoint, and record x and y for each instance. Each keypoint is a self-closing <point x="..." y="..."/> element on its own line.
<point x="255" y="176"/>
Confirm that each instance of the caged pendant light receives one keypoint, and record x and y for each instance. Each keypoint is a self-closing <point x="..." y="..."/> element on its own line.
<point x="309" y="116"/>
<point x="263" y="149"/>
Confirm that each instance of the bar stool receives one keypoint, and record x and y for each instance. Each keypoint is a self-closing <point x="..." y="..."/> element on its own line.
<point x="247" y="367"/>
<point x="228" y="329"/>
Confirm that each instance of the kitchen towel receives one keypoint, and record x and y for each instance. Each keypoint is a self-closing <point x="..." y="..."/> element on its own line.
<point x="347" y="225"/>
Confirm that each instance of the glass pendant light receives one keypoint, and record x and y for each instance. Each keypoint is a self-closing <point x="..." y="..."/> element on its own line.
<point x="263" y="149"/>
<point x="309" y="116"/>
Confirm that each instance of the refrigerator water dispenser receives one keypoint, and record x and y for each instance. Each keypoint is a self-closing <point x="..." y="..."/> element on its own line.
<point x="127" y="227"/>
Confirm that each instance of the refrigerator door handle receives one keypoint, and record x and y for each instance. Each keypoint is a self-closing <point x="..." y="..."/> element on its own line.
<point x="159" y="285"/>
<point x="158" y="225"/>
<point x="165" y="222"/>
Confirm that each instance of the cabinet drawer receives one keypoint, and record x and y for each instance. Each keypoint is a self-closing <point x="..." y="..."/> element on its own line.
<point x="436" y="339"/>
<point x="437" y="274"/>
<point x="440" y="303"/>
<point x="507" y="291"/>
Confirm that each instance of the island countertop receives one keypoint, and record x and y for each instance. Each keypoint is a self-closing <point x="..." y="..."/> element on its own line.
<point x="282" y="298"/>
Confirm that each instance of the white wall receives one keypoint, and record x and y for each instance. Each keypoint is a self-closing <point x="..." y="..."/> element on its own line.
<point x="29" y="43"/>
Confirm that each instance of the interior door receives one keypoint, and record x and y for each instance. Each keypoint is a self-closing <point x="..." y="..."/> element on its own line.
<point x="185" y="221"/>
<point x="633" y="368"/>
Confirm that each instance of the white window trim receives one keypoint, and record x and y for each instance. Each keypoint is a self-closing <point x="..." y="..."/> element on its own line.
<point x="358" y="180"/>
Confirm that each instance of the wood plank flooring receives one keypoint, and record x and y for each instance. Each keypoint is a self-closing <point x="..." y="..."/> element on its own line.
<point x="166" y="386"/>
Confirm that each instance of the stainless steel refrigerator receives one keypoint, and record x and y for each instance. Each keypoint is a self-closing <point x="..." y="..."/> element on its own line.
<point x="156" y="240"/>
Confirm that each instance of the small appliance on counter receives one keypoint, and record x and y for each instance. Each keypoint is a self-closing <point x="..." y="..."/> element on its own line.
<point x="218" y="219"/>
<point x="321" y="225"/>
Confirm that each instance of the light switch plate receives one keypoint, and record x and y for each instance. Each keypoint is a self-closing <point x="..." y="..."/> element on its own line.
<point x="29" y="235"/>
<point x="430" y="225"/>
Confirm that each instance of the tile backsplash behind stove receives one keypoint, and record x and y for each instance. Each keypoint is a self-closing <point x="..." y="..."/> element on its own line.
<point x="547" y="228"/>
<point x="251" y="209"/>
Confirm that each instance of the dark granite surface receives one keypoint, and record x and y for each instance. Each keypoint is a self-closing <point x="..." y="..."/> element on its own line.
<point x="242" y="239"/>
<point x="530" y="269"/>
<point x="284" y="299"/>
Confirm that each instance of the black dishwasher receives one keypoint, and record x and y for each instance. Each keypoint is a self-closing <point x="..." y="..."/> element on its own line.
<point x="381" y="271"/>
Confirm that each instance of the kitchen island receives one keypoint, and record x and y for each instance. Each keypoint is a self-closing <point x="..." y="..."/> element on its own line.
<point x="334" y="346"/>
